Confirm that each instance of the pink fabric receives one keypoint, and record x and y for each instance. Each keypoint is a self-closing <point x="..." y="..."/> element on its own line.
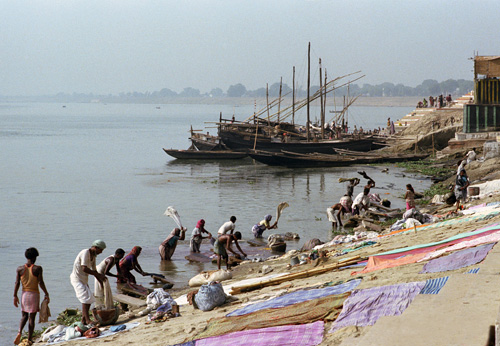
<point x="489" y="238"/>
<point x="411" y="256"/>
<point x="30" y="301"/>
<point x="288" y="335"/>
<point x="200" y="224"/>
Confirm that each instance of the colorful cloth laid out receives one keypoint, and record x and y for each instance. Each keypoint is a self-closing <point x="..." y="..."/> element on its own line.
<point x="488" y="238"/>
<point x="365" y="307"/>
<point x="433" y="286"/>
<point x="417" y="253"/>
<point x="481" y="231"/>
<point x="289" y="335"/>
<point x="297" y="297"/>
<point x="459" y="259"/>
<point x="326" y="309"/>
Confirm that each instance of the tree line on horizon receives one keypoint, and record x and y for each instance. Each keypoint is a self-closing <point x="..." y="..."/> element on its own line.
<point x="429" y="87"/>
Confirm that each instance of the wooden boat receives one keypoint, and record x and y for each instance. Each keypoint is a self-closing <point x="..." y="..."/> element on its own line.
<point x="192" y="154"/>
<point x="206" y="141"/>
<point x="296" y="160"/>
<point x="241" y="141"/>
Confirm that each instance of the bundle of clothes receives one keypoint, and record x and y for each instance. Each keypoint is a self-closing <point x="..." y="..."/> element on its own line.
<point x="412" y="218"/>
<point x="160" y="306"/>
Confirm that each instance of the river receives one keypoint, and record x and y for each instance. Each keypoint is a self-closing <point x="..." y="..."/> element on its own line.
<point x="74" y="173"/>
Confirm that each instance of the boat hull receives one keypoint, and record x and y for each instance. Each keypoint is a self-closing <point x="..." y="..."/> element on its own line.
<point x="205" y="154"/>
<point x="236" y="141"/>
<point x="294" y="160"/>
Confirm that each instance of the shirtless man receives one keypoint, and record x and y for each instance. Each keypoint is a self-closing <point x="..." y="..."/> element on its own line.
<point x="30" y="276"/>
<point x="223" y="244"/>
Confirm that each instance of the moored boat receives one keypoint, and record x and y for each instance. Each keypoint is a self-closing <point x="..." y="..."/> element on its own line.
<point x="296" y="160"/>
<point x="191" y="154"/>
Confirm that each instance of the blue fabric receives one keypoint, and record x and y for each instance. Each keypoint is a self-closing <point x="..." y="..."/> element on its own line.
<point x="433" y="286"/>
<point x="297" y="297"/>
<point x="118" y="328"/>
<point x="189" y="343"/>
<point x="472" y="271"/>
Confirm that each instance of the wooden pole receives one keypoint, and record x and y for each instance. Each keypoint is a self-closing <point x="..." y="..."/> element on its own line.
<point x="293" y="97"/>
<point x="279" y="103"/>
<point x="322" y="110"/>
<point x="267" y="101"/>
<point x="308" y="87"/>
<point x="433" y="150"/>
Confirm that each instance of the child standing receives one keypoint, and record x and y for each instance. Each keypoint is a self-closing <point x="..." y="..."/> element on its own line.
<point x="30" y="277"/>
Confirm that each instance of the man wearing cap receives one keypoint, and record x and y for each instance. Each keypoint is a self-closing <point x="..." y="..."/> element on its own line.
<point x="83" y="267"/>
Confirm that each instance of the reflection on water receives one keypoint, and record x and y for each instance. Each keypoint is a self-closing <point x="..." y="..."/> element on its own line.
<point x="88" y="171"/>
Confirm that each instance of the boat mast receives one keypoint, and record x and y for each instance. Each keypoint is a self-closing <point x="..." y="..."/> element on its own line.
<point x="279" y="103"/>
<point x="293" y="97"/>
<point x="321" y="101"/>
<point x="324" y="100"/>
<point x="267" y="101"/>
<point x="308" y="84"/>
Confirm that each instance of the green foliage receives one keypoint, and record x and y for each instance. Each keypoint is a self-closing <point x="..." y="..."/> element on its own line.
<point x="424" y="167"/>
<point x="69" y="316"/>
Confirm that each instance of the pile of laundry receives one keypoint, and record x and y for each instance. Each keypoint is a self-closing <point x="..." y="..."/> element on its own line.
<point x="412" y="218"/>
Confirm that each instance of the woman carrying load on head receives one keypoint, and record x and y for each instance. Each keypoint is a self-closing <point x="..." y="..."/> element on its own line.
<point x="129" y="263"/>
<point x="167" y="248"/>
<point x="259" y="228"/>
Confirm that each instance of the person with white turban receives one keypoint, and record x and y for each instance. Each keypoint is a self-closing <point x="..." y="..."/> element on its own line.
<point x="85" y="265"/>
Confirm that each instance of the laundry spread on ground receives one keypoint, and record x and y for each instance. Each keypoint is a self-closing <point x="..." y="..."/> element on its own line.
<point x="289" y="335"/>
<point x="488" y="238"/>
<point x="433" y="286"/>
<point x="365" y="307"/>
<point x="459" y="259"/>
<point x="326" y="309"/>
<point x="417" y="253"/>
<point x="297" y="297"/>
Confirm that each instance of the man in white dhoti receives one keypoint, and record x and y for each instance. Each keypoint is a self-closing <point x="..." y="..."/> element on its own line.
<point x="83" y="267"/>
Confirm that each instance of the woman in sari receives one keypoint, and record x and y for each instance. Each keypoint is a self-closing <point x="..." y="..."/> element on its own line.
<point x="167" y="248"/>
<point x="129" y="263"/>
<point x="259" y="228"/>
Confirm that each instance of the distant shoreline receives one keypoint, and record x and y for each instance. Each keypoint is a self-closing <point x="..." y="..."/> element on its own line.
<point x="362" y="101"/>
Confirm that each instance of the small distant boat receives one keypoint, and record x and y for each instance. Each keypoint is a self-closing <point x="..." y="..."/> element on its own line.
<point x="192" y="154"/>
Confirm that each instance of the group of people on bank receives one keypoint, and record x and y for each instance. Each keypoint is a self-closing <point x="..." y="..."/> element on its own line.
<point x="29" y="277"/>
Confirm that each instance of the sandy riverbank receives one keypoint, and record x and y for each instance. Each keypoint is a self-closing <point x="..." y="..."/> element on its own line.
<point x="192" y="322"/>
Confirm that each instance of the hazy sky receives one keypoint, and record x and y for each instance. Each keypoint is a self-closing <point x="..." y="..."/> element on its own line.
<point x="112" y="46"/>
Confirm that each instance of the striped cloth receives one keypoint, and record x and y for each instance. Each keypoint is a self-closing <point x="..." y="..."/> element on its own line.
<point x="289" y="335"/>
<point x="297" y="297"/>
<point x="433" y="286"/>
<point x="365" y="307"/>
<point x="473" y="271"/>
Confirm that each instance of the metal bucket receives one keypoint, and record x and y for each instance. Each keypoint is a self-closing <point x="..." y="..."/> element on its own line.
<point x="294" y="261"/>
<point x="473" y="190"/>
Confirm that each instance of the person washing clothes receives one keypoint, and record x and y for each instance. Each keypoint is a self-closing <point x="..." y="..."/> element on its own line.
<point x="259" y="228"/>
